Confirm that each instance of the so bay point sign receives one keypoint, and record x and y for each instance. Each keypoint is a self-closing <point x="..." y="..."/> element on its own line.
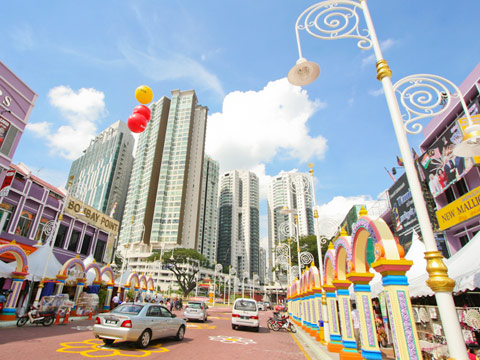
<point x="92" y="216"/>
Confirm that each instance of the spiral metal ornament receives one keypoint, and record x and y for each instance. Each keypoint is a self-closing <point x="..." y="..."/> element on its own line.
<point x="295" y="273"/>
<point x="425" y="96"/>
<point x="283" y="250"/>
<point x="78" y="190"/>
<point x="285" y="229"/>
<point x="331" y="20"/>
<point x="49" y="228"/>
<point x="218" y="267"/>
<point x="306" y="258"/>
<point x="300" y="182"/>
<point x="327" y="228"/>
<point x="232" y="271"/>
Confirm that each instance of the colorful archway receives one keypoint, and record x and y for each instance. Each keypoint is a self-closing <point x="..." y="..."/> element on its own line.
<point x="18" y="277"/>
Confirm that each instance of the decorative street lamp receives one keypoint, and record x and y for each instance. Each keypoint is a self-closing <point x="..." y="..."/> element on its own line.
<point x="231" y="272"/>
<point x="286" y="210"/>
<point x="218" y="267"/>
<point x="255" y="279"/>
<point x="244" y="275"/>
<point x="341" y="20"/>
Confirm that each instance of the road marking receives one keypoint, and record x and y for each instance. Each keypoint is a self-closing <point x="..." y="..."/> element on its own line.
<point x="93" y="348"/>
<point x="201" y="326"/>
<point x="232" y="340"/>
<point x="301" y="348"/>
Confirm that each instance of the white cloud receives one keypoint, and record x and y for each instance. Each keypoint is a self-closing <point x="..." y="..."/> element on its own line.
<point x="254" y="127"/>
<point x="384" y="45"/>
<point x="81" y="111"/>
<point x="377" y="92"/>
<point x="22" y="36"/>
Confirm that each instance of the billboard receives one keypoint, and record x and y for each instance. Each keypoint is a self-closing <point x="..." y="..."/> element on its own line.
<point x="440" y="167"/>
<point x="403" y="212"/>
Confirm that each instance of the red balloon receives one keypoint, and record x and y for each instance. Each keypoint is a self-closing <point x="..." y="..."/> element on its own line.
<point x="137" y="123"/>
<point x="145" y="111"/>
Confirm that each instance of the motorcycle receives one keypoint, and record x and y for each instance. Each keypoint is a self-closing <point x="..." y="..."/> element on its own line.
<point x="46" y="318"/>
<point x="276" y="323"/>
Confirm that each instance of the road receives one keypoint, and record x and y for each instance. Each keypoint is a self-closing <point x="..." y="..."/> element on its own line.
<point x="214" y="339"/>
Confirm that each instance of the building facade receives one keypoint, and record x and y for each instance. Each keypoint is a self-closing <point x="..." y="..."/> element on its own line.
<point x="452" y="180"/>
<point x="163" y="201"/>
<point x="103" y="171"/>
<point x="16" y="104"/>
<point x="207" y="231"/>
<point x="238" y="222"/>
<point x="291" y="190"/>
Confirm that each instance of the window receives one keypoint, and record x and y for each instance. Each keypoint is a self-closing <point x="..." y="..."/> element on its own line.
<point x="449" y="194"/>
<point x="24" y="223"/>
<point x="6" y="211"/>
<point x="99" y="251"/>
<point x="8" y="139"/>
<point x="461" y="187"/>
<point x="62" y="233"/>
<point x="40" y="236"/>
<point x="72" y="246"/>
<point x="464" y="240"/>
<point x="87" y="239"/>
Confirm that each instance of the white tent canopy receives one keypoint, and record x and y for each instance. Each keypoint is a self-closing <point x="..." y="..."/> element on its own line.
<point x="5" y="270"/>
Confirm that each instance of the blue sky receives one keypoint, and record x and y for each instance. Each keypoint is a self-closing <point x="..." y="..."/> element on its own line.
<point x="85" y="59"/>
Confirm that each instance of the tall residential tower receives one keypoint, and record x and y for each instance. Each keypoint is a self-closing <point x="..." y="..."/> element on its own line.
<point x="163" y="201"/>
<point x="101" y="175"/>
<point x="238" y="222"/>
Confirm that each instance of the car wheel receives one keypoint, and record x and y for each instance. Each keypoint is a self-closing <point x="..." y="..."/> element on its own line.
<point x="108" y="341"/>
<point x="234" y="327"/>
<point x="144" y="339"/>
<point x="180" y="333"/>
<point x="257" y="328"/>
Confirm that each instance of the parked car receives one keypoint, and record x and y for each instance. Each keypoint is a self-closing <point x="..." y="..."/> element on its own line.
<point x="261" y="306"/>
<point x="245" y="313"/>
<point x="196" y="310"/>
<point x="268" y="305"/>
<point x="139" y="322"/>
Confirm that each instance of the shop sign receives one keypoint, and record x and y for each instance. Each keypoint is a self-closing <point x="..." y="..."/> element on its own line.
<point x="7" y="182"/>
<point x="460" y="210"/>
<point x="463" y="122"/>
<point x="92" y="216"/>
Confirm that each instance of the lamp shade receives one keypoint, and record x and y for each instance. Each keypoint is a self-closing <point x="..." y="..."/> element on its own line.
<point x="303" y="73"/>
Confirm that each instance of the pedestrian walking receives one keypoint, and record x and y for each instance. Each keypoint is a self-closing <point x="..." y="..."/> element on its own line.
<point x="3" y="300"/>
<point x="115" y="301"/>
<point x="356" y="325"/>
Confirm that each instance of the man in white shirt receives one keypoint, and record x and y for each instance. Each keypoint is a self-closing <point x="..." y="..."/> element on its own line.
<point x="115" y="301"/>
<point x="356" y="325"/>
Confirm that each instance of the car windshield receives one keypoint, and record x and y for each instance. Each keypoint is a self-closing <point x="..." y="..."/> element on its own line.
<point x="128" y="309"/>
<point x="245" y="305"/>
<point x="194" y="305"/>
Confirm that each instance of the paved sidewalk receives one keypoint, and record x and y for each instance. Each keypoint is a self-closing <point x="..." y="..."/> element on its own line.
<point x="13" y="323"/>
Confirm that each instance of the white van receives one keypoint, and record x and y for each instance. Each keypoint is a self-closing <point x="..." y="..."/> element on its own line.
<point x="245" y="313"/>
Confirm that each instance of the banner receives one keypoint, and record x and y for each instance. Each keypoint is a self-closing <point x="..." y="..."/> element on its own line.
<point x="460" y="210"/>
<point x="440" y="167"/>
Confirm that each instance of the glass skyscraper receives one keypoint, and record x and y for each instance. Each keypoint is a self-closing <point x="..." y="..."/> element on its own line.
<point x="101" y="175"/>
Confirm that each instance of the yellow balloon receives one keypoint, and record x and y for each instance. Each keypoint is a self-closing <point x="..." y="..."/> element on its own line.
<point x="144" y="94"/>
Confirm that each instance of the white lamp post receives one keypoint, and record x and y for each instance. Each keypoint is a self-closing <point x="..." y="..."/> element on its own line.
<point x="305" y="72"/>
<point x="218" y="267"/>
<point x="244" y="275"/>
<point x="286" y="210"/>
<point x="255" y="279"/>
<point x="231" y="272"/>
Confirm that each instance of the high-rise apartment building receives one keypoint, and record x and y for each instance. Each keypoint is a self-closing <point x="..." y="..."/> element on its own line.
<point x="207" y="231"/>
<point x="238" y="222"/>
<point x="163" y="200"/>
<point x="101" y="175"/>
<point x="293" y="191"/>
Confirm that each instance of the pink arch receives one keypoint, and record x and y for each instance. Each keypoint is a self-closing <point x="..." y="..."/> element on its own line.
<point x="150" y="284"/>
<point x="130" y="278"/>
<point x="108" y="270"/>
<point x="143" y="282"/>
<point x="343" y="255"/>
<point x="314" y="278"/>
<point x="98" y="272"/>
<point x="18" y="254"/>
<point x="329" y="275"/>
<point x="74" y="262"/>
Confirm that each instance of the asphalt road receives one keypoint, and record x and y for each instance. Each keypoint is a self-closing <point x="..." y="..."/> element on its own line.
<point x="214" y="339"/>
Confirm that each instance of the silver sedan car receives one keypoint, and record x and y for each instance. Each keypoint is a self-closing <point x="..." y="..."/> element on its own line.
<point x="139" y="322"/>
<point x="196" y="310"/>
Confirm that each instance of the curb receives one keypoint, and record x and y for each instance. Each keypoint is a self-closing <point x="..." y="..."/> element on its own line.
<point x="13" y="323"/>
<point x="314" y="349"/>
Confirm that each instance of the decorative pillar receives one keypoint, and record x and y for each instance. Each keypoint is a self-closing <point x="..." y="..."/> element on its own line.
<point x="78" y="291"/>
<point x="60" y="283"/>
<point x="349" y="350"/>
<point x="135" y="295"/>
<point x="324" y="312"/>
<point x="317" y="313"/>
<point x="368" y="333"/>
<point x="10" y="310"/>
<point x="335" y="343"/>
<point x="399" y="307"/>
<point x="108" y="299"/>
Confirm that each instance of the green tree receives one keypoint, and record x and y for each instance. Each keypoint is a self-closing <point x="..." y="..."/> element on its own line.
<point x="307" y="243"/>
<point x="175" y="259"/>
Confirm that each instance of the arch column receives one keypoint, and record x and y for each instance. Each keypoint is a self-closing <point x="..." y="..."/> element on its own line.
<point x="399" y="307"/>
<point x="335" y="343"/>
<point x="60" y="283"/>
<point x="349" y="350"/>
<point x="10" y="310"/>
<point x="324" y="315"/>
<point x="78" y="291"/>
<point x="368" y="334"/>
<point x="108" y="298"/>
